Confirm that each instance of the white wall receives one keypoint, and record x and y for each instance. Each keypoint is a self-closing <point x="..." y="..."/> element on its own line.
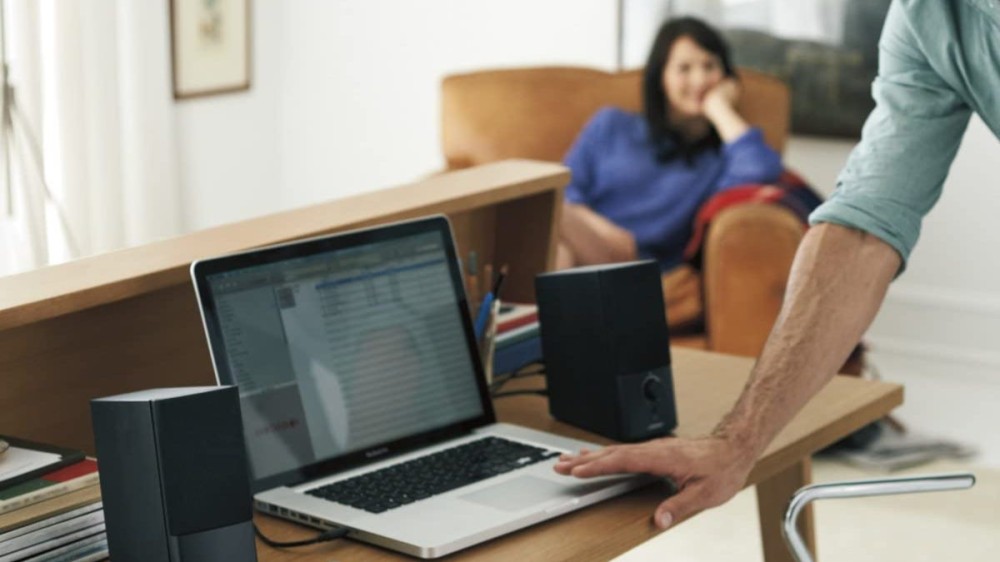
<point x="344" y="94"/>
<point x="361" y="79"/>
<point x="818" y="159"/>
<point x="641" y="20"/>
<point x="228" y="145"/>
<point x="939" y="329"/>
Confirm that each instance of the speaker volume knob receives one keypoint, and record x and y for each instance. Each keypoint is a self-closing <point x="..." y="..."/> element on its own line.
<point x="652" y="388"/>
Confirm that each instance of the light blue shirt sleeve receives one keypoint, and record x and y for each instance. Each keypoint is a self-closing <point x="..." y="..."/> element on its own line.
<point x="894" y="176"/>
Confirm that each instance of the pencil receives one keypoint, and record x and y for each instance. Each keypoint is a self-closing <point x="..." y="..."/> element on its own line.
<point x="499" y="281"/>
<point x="485" y="310"/>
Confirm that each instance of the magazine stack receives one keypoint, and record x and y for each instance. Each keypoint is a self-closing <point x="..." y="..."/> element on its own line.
<point x="50" y="504"/>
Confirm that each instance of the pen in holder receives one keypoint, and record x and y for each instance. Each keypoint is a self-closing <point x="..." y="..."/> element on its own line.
<point x="487" y="343"/>
<point x="486" y="324"/>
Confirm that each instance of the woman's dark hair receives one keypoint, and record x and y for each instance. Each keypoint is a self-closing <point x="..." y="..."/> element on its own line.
<point x="668" y="142"/>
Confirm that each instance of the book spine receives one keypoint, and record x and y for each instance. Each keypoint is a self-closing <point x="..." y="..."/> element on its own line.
<point x="509" y="359"/>
<point x="47" y="492"/>
<point x="507" y="325"/>
<point x="518" y="334"/>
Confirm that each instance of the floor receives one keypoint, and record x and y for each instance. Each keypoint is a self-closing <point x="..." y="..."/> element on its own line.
<point x="953" y="399"/>
<point x="954" y="526"/>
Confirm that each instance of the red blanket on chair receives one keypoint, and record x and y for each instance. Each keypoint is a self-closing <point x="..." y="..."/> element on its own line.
<point x="790" y="191"/>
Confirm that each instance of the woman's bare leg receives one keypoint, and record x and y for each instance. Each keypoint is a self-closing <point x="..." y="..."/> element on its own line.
<point x="587" y="238"/>
<point x="564" y="256"/>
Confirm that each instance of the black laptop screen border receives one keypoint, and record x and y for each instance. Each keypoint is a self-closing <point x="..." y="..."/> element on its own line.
<point x="202" y="269"/>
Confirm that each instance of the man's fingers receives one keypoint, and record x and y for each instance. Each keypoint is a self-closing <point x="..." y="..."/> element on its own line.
<point x="575" y="465"/>
<point x="707" y="470"/>
<point x="680" y="506"/>
<point x="567" y="462"/>
<point x="643" y="460"/>
<point x="611" y="462"/>
<point x="566" y="465"/>
<point x="594" y="468"/>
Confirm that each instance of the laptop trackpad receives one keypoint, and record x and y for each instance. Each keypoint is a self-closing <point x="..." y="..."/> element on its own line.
<point x="518" y="493"/>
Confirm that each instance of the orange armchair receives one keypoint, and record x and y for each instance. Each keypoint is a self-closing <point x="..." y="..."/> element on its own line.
<point x="537" y="113"/>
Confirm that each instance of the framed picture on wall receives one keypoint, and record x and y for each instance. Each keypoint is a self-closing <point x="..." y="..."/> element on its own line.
<point x="210" y="46"/>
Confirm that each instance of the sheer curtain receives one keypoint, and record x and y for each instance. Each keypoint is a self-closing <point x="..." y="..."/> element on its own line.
<point x="93" y="92"/>
<point x="812" y="20"/>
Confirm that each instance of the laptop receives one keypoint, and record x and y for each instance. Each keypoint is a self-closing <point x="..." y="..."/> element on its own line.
<point x="363" y="397"/>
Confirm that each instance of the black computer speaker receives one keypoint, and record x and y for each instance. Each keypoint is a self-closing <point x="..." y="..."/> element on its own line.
<point x="606" y="349"/>
<point x="174" y="477"/>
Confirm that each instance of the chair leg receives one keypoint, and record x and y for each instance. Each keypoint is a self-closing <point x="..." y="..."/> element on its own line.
<point x="773" y="495"/>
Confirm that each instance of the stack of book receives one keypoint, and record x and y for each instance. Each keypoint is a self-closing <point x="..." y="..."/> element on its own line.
<point x="518" y="341"/>
<point x="50" y="505"/>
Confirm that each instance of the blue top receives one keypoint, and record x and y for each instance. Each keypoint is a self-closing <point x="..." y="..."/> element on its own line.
<point x="939" y="60"/>
<point x="615" y="173"/>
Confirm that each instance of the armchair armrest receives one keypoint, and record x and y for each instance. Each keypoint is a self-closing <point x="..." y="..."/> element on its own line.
<point x="747" y="255"/>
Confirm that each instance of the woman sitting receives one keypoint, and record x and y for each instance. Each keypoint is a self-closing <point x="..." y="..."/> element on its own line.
<point x="638" y="180"/>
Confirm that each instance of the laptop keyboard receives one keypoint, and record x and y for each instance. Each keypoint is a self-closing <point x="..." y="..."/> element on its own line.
<point x="431" y="475"/>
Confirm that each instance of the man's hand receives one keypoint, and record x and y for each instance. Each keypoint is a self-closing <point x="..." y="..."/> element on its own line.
<point x="707" y="471"/>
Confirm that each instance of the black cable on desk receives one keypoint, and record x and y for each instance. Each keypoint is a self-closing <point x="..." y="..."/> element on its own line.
<point x="534" y="369"/>
<point x="498" y="384"/>
<point x="328" y="535"/>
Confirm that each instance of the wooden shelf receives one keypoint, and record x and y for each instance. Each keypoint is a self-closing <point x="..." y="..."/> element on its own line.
<point x="128" y="320"/>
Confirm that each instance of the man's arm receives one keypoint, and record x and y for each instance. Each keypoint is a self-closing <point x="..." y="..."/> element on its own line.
<point x="837" y="284"/>
<point x="840" y="274"/>
<point x="838" y="281"/>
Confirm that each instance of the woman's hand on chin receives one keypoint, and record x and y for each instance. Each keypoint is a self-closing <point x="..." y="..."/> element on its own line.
<point x="723" y="95"/>
<point x="719" y="106"/>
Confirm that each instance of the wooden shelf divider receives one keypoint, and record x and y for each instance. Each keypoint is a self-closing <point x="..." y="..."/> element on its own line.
<point x="128" y="320"/>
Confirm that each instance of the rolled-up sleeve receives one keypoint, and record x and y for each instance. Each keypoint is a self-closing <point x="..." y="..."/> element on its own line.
<point x="895" y="174"/>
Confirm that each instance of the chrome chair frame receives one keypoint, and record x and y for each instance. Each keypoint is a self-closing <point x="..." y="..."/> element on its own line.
<point x="862" y="488"/>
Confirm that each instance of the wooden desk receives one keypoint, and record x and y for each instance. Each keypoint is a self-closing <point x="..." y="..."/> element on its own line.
<point x="707" y="385"/>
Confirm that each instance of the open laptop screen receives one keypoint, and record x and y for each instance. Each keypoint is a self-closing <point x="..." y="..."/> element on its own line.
<point x="343" y="348"/>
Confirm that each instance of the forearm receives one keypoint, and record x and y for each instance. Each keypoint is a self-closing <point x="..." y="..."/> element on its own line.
<point x="837" y="283"/>
<point x="729" y="124"/>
